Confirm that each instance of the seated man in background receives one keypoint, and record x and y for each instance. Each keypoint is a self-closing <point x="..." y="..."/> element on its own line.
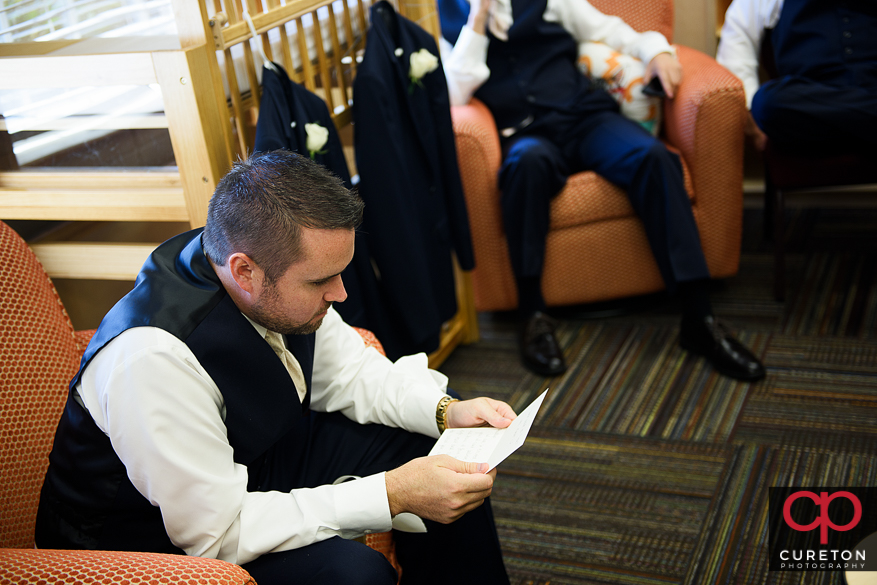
<point x="519" y="58"/>
<point x="824" y="98"/>
<point x="220" y="400"/>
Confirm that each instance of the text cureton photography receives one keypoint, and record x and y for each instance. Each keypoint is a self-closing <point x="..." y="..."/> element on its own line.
<point x="822" y="528"/>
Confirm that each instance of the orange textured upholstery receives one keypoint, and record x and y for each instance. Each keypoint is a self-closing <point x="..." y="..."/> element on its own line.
<point x="30" y="566"/>
<point x="597" y="248"/>
<point x="39" y="354"/>
<point x="370" y="340"/>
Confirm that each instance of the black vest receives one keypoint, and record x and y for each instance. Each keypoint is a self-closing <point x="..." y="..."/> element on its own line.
<point x="829" y="41"/>
<point x="87" y="499"/>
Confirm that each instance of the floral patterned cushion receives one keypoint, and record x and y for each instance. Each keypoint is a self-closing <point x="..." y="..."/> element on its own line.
<point x="622" y="76"/>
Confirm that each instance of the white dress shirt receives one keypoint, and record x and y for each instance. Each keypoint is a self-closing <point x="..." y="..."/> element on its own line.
<point x="165" y="418"/>
<point x="465" y="64"/>
<point x="742" y="33"/>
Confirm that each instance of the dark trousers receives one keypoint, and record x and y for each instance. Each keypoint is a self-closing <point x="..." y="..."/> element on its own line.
<point x="802" y="115"/>
<point x="538" y="161"/>
<point x="328" y="446"/>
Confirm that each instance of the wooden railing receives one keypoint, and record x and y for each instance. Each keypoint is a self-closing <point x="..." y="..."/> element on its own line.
<point x="209" y="111"/>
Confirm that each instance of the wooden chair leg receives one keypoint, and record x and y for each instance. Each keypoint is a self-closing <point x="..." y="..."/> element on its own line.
<point x="779" y="276"/>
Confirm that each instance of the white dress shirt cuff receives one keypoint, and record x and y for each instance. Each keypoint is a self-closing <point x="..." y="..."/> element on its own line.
<point x="362" y="506"/>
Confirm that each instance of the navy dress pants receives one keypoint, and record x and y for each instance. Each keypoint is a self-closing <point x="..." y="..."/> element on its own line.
<point x="328" y="446"/>
<point x="802" y="115"/>
<point x="538" y="160"/>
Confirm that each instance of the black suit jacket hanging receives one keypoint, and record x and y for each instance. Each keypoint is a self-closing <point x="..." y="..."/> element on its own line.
<point x="415" y="212"/>
<point x="285" y="109"/>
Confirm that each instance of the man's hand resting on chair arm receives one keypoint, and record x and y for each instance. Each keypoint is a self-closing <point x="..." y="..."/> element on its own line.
<point x="665" y="67"/>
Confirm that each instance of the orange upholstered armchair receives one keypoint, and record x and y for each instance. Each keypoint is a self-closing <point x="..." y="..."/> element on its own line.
<point x="597" y="248"/>
<point x="39" y="354"/>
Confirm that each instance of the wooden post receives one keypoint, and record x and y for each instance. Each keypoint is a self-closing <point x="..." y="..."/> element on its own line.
<point x="194" y="30"/>
<point x="196" y="123"/>
<point x="466" y="303"/>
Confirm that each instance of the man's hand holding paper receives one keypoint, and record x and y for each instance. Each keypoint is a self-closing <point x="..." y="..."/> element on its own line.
<point x="480" y="412"/>
<point x="439" y="488"/>
<point x="459" y="472"/>
<point x="442" y="488"/>
<point x="491" y="444"/>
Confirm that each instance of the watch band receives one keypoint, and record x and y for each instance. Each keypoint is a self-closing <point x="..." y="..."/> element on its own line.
<point x="441" y="413"/>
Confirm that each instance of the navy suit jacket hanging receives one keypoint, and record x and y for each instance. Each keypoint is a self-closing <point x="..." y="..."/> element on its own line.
<point x="415" y="214"/>
<point x="285" y="109"/>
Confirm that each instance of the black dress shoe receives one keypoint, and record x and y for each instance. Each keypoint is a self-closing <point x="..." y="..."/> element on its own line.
<point x="709" y="338"/>
<point x="540" y="350"/>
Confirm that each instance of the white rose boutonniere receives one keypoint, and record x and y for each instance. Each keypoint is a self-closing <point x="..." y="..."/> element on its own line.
<point x="317" y="138"/>
<point x="422" y="62"/>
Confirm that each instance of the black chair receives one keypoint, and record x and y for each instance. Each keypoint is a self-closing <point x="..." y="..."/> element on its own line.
<point x="787" y="173"/>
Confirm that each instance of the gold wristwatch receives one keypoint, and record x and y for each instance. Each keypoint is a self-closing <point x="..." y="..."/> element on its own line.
<point x="441" y="413"/>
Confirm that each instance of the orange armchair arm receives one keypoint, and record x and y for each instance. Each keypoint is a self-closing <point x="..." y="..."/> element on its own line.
<point x="25" y="566"/>
<point x="478" y="155"/>
<point x="477" y="138"/>
<point x="705" y="123"/>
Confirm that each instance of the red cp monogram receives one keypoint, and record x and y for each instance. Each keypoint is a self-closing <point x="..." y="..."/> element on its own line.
<point x="823" y="521"/>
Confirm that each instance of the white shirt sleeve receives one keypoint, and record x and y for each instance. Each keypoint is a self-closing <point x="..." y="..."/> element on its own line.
<point x="586" y="23"/>
<point x="465" y="65"/>
<point x="369" y="388"/>
<point x="740" y="43"/>
<point x="148" y="393"/>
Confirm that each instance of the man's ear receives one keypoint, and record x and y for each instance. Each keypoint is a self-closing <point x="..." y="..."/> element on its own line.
<point x="246" y="273"/>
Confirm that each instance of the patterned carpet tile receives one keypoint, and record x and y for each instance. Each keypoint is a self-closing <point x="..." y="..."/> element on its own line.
<point x="806" y="424"/>
<point x="836" y="295"/>
<point x="623" y="378"/>
<point x="733" y="547"/>
<point x="838" y="361"/>
<point x="576" y="507"/>
<point x="821" y="393"/>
